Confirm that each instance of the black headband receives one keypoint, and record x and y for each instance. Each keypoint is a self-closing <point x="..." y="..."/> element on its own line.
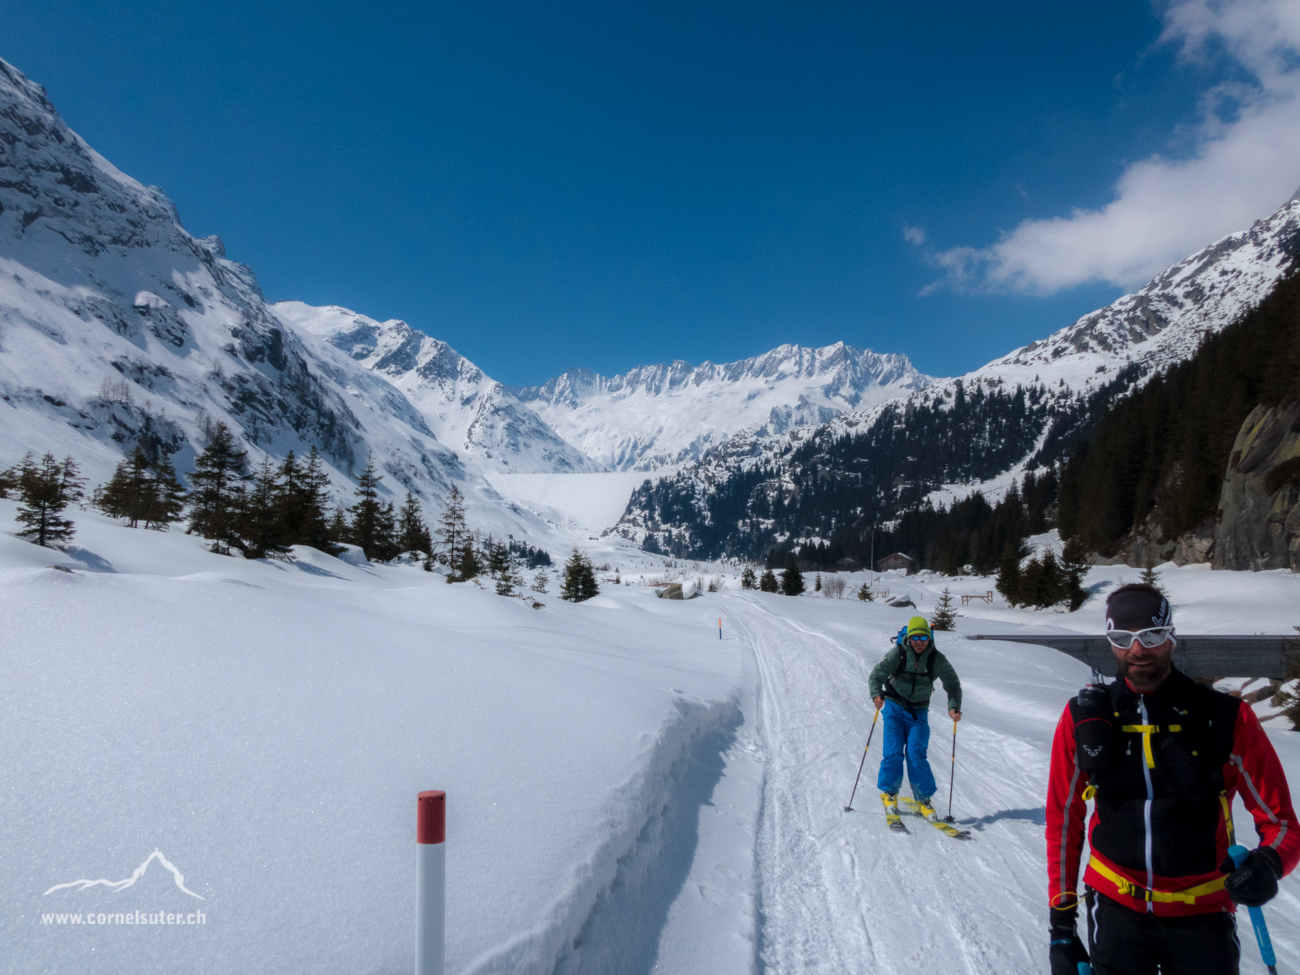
<point x="1137" y="607"/>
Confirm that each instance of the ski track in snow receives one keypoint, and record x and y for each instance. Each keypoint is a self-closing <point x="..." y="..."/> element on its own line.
<point x="838" y="892"/>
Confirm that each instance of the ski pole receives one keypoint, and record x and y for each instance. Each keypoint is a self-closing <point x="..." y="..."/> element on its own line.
<point x="849" y="807"/>
<point x="1239" y="854"/>
<point x="952" y="774"/>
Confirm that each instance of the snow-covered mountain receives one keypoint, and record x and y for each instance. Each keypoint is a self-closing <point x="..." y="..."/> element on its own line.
<point x="1066" y="379"/>
<point x="662" y="416"/>
<point x="466" y="410"/>
<point x="118" y="328"/>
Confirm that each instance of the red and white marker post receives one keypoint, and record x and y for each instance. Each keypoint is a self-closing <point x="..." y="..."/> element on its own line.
<point x="430" y="883"/>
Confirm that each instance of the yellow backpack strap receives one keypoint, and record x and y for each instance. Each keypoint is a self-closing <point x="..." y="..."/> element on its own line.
<point x="1127" y="888"/>
<point x="1227" y="816"/>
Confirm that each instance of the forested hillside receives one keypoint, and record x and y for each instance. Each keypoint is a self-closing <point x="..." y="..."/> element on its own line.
<point x="1156" y="462"/>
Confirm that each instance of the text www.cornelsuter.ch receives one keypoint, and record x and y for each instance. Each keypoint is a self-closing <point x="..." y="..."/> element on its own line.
<point x="134" y="918"/>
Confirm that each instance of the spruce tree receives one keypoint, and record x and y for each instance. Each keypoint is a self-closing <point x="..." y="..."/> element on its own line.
<point x="314" y="528"/>
<point x="8" y="480"/>
<point x="218" y="489"/>
<point x="579" y="579"/>
<point x="125" y="494"/>
<point x="747" y="578"/>
<point x="167" y="498"/>
<point x="817" y="583"/>
<point x="498" y="559"/>
<point x="412" y="533"/>
<point x="865" y="593"/>
<point x="365" y="526"/>
<point x="540" y="580"/>
<point x="46" y="488"/>
<point x="792" y="579"/>
<point x="1074" y="564"/>
<point x="1009" y="582"/>
<point x="467" y="564"/>
<point x="1150" y="576"/>
<point x="768" y="582"/>
<point x="945" y="614"/>
<point x="452" y="531"/>
<point x="261" y="529"/>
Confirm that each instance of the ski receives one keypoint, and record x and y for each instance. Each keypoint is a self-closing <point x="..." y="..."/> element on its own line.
<point x="891" y="813"/>
<point x="946" y="828"/>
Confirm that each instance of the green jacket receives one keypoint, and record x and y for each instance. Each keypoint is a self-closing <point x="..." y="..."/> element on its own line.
<point x="912" y="687"/>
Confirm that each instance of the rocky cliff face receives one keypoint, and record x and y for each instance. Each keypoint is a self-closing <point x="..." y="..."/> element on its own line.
<point x="1259" y="508"/>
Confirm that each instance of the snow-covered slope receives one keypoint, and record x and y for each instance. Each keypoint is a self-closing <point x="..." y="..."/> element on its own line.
<point x="660" y="416"/>
<point x="465" y="409"/>
<point x="626" y="792"/>
<point x="119" y="328"/>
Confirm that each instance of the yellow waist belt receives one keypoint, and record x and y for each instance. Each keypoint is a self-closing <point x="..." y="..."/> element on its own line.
<point x="1130" y="889"/>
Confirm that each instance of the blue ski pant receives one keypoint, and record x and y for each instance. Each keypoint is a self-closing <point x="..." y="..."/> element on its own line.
<point x="907" y="736"/>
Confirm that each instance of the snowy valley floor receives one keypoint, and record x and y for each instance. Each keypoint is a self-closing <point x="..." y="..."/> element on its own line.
<point x="626" y="792"/>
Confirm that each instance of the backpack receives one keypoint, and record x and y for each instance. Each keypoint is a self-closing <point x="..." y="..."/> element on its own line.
<point x="902" y="658"/>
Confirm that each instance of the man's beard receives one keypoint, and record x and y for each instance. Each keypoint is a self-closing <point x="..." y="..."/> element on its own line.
<point x="1148" y="676"/>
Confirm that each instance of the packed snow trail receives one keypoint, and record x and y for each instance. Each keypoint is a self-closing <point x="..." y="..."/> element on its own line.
<point x="839" y="892"/>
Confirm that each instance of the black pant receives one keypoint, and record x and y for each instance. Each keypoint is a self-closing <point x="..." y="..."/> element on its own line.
<point x="1122" y="941"/>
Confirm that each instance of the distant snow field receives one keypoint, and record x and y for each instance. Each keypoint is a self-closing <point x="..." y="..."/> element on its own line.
<point x="591" y="501"/>
<point x="626" y="791"/>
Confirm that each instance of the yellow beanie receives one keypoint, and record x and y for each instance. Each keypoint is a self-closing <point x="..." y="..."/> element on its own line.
<point x="918" y="626"/>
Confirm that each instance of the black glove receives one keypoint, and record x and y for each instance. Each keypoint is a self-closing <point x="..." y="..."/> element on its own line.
<point x="1254" y="883"/>
<point x="1066" y="950"/>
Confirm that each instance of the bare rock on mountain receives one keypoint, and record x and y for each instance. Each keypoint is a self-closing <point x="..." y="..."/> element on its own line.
<point x="1259" y="520"/>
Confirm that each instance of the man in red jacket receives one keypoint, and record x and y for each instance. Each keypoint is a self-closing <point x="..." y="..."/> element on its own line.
<point x="1162" y="756"/>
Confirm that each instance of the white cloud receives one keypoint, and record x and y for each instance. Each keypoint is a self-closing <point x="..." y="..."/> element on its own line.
<point x="1164" y="209"/>
<point x="914" y="235"/>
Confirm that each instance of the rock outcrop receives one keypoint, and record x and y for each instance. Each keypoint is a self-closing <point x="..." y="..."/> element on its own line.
<point x="1259" y="507"/>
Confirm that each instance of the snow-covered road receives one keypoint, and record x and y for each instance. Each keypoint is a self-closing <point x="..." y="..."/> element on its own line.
<point x="838" y="892"/>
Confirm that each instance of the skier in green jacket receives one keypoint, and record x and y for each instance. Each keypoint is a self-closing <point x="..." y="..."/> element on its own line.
<point x="902" y="684"/>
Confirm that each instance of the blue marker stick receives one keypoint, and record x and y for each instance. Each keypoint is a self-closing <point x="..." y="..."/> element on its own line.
<point x="1238" y="854"/>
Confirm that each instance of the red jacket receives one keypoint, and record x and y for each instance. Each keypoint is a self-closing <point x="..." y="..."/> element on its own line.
<point x="1158" y="821"/>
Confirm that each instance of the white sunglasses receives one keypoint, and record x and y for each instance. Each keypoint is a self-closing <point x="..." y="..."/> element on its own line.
<point x="1152" y="636"/>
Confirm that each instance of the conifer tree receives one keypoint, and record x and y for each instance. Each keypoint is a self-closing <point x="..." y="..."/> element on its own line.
<point x="468" y="565"/>
<point x="792" y="579"/>
<point x="540" y="580"/>
<point x="8" y="480"/>
<point x="218" y="495"/>
<point x="124" y="496"/>
<point x="452" y="532"/>
<point x="338" y="527"/>
<point x="46" y="488"/>
<point x="261" y="528"/>
<point x="314" y="528"/>
<point x="291" y="502"/>
<point x="579" y="579"/>
<point x="1150" y="576"/>
<point x="1074" y="565"/>
<point x="817" y="583"/>
<point x="1008" y="583"/>
<point x="366" y="526"/>
<point x="140" y="491"/>
<point x="945" y="614"/>
<point x="747" y="578"/>
<point x="167" y="498"/>
<point x="412" y="533"/>
<point x="768" y="582"/>
<point x="865" y="593"/>
<point x="498" y="559"/>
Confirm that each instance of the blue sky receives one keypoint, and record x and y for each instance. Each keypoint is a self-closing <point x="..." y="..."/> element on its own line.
<point x="548" y="185"/>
